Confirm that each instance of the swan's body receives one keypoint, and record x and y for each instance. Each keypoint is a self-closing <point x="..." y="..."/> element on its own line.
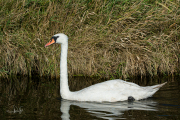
<point x="111" y="91"/>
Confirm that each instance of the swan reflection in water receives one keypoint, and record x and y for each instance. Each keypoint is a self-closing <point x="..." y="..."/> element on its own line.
<point x="107" y="110"/>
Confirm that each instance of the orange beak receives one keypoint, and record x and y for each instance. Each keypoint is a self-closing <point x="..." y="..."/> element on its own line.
<point x="52" y="41"/>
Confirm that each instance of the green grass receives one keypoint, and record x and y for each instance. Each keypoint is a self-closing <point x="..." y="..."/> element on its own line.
<point x="111" y="39"/>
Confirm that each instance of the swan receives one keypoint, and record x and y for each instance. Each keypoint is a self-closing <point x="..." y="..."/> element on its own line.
<point x="108" y="91"/>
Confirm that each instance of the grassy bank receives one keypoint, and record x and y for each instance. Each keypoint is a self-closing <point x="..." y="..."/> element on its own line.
<point x="111" y="39"/>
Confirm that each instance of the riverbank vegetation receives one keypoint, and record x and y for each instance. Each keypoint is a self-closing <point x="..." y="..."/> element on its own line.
<point x="108" y="39"/>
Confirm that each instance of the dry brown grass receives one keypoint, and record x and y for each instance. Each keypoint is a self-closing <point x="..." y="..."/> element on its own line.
<point x="106" y="39"/>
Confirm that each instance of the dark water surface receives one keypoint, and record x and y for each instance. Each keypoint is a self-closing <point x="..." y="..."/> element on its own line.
<point x="40" y="99"/>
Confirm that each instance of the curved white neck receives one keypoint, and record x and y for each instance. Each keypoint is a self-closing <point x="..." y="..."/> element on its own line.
<point x="64" y="88"/>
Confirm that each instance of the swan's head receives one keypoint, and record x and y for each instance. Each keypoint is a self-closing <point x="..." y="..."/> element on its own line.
<point x="58" y="38"/>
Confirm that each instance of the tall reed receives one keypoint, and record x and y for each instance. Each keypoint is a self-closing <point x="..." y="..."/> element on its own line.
<point x="111" y="39"/>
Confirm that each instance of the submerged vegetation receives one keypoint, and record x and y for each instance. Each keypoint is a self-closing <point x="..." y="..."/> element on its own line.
<point x="110" y="39"/>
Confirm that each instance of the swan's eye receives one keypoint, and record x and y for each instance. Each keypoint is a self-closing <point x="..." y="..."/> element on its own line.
<point x="55" y="38"/>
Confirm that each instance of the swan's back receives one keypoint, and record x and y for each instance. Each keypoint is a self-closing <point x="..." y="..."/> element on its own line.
<point x="113" y="90"/>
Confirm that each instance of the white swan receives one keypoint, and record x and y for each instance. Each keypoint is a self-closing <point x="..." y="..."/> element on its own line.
<point x="111" y="91"/>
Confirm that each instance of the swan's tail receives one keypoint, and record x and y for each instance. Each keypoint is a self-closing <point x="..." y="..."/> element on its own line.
<point x="152" y="89"/>
<point x="158" y="86"/>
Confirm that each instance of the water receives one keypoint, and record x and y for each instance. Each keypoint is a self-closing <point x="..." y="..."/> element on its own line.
<point x="40" y="99"/>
